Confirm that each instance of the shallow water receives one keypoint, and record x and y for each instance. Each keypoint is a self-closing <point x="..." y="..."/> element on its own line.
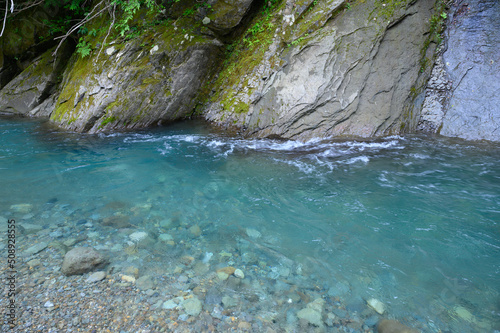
<point x="413" y="222"/>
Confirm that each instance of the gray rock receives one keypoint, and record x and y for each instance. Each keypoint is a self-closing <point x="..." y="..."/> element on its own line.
<point x="34" y="85"/>
<point x="311" y="316"/>
<point x="347" y="79"/>
<point x="145" y="282"/>
<point x="36" y="248"/>
<point x="226" y="15"/>
<point x="134" y="88"/>
<point x="96" y="277"/>
<point x="229" y="302"/>
<point x="472" y="62"/>
<point x="192" y="306"/>
<point x="81" y="260"/>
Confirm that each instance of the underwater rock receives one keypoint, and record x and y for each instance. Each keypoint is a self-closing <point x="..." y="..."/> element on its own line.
<point x="376" y="305"/>
<point x="192" y="306"/>
<point x="392" y="326"/>
<point x="81" y="260"/>
<point x="96" y="277"/>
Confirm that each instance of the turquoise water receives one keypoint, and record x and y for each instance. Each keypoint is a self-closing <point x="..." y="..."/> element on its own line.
<point x="413" y="222"/>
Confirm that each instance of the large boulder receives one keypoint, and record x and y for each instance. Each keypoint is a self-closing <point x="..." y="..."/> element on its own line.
<point x="82" y="260"/>
<point x="331" y="70"/>
<point x="227" y="14"/>
<point x="154" y="78"/>
<point x="27" y="91"/>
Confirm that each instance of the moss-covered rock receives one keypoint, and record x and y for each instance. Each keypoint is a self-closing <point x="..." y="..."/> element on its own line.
<point x="328" y="68"/>
<point x="154" y="78"/>
<point x="34" y="85"/>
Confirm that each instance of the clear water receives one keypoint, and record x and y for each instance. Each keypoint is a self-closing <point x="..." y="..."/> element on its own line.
<point x="411" y="221"/>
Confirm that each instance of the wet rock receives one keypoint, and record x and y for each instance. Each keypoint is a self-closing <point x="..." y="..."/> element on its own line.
<point x="317" y="90"/>
<point x="23" y="208"/>
<point x="229" y="302"/>
<point x="81" y="260"/>
<point x="311" y="316"/>
<point x="128" y="278"/>
<point x="192" y="306"/>
<point x="252" y="233"/>
<point x="226" y="15"/>
<point x="36" y="248"/>
<point x="27" y="91"/>
<point x="376" y="305"/>
<point x="132" y="271"/>
<point x="119" y="93"/>
<point x="145" y="282"/>
<point x="195" y="231"/>
<point x="392" y="326"/>
<point x="239" y="274"/>
<point x="96" y="277"/>
<point x="472" y="63"/>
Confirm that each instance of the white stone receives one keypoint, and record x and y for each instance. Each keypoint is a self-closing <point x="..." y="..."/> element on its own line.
<point x="110" y="50"/>
<point x="311" y="316"/>
<point x="48" y="304"/>
<point x="376" y="305"/>
<point x="252" y="233"/>
<point x="206" y="20"/>
<point x="192" y="306"/>
<point x="165" y="237"/>
<point x="22" y="208"/>
<point x="138" y="236"/>
<point x="154" y="49"/>
<point x="239" y="273"/>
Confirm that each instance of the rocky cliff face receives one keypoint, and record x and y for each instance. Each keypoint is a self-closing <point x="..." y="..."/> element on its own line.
<point x="293" y="68"/>
<point x="463" y="97"/>
<point x="354" y="74"/>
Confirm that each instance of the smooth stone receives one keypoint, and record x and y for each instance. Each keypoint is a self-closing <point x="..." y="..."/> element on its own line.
<point x="33" y="263"/>
<point x="252" y="233"/>
<point x="36" y="248"/>
<point x="229" y="302"/>
<point x="222" y="276"/>
<point x="371" y="321"/>
<point x="311" y="316"/>
<point x="128" y="278"/>
<point x="195" y="231"/>
<point x="56" y="234"/>
<point x="48" y="304"/>
<point x="24" y="208"/>
<point x="463" y="313"/>
<point x="132" y="271"/>
<point x="138" y="236"/>
<point x="81" y="260"/>
<point x="70" y="242"/>
<point x="392" y="326"/>
<point x="206" y="20"/>
<point x="192" y="306"/>
<point x="97" y="276"/>
<point x="228" y="270"/>
<point x="165" y="237"/>
<point x="145" y="282"/>
<point x="339" y="289"/>
<point x="169" y="305"/>
<point x="30" y="228"/>
<point x="239" y="274"/>
<point x="376" y="305"/>
<point x="317" y="305"/>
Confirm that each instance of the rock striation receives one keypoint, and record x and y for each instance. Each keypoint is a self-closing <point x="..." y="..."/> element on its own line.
<point x="464" y="92"/>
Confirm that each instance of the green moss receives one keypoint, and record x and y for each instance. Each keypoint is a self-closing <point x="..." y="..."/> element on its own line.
<point x="107" y="120"/>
